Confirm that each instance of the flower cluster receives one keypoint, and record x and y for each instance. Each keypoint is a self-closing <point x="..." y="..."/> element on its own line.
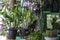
<point x="31" y="5"/>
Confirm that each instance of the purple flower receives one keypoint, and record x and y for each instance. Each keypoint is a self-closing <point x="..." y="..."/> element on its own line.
<point x="31" y="5"/>
<point x="27" y="4"/>
<point x="35" y="7"/>
<point x="1" y="26"/>
<point x="1" y="6"/>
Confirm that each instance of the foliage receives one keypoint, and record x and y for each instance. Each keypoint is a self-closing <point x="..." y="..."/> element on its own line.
<point x="3" y="1"/>
<point x="51" y="32"/>
<point x="16" y="18"/>
<point x="53" y="22"/>
<point x="37" y="35"/>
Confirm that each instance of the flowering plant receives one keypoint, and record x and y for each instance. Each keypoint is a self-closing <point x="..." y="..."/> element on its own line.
<point x="16" y="18"/>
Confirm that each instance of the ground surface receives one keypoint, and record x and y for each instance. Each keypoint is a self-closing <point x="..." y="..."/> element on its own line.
<point x="4" y="38"/>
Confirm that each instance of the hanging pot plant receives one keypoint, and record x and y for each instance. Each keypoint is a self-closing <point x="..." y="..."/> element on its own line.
<point x="51" y="33"/>
<point x="28" y="19"/>
<point x="16" y="19"/>
<point x="11" y="21"/>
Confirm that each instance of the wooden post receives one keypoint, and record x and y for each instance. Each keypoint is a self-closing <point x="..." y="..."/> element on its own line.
<point x="10" y="3"/>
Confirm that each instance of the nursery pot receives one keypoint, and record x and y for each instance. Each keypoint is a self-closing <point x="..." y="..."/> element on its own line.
<point x="24" y="32"/>
<point x="51" y="38"/>
<point x="12" y="33"/>
<point x="51" y="35"/>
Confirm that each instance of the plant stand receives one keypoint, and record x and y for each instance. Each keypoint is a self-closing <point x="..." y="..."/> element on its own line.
<point x="51" y="38"/>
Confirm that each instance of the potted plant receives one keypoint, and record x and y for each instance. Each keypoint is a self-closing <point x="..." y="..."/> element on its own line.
<point x="51" y="34"/>
<point x="12" y="21"/>
<point x="16" y="19"/>
<point x="28" y="19"/>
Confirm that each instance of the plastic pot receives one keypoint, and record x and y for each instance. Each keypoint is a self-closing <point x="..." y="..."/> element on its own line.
<point x="12" y="32"/>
